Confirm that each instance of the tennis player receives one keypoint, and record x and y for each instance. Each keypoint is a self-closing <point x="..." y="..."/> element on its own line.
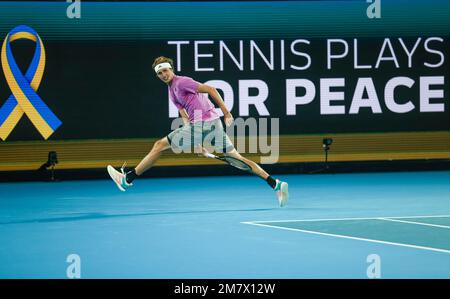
<point x="200" y="119"/>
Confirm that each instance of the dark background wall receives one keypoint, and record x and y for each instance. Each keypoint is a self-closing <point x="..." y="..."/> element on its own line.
<point x="98" y="78"/>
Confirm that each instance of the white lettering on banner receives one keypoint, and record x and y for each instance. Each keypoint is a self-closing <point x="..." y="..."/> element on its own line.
<point x="198" y="56"/>
<point x="409" y="53"/>
<point x="278" y="55"/>
<point x="355" y="60"/>
<point x="329" y="94"/>
<point x="292" y="100"/>
<point x="237" y="52"/>
<point x="253" y="47"/>
<point x="439" y="53"/>
<point x="365" y="84"/>
<point x="308" y="58"/>
<point x="389" y="95"/>
<point x="392" y="57"/>
<point x="426" y="94"/>
<point x="376" y="81"/>
<point x="178" y="43"/>
<point x="326" y="96"/>
<point x="240" y="63"/>
<point x="331" y="56"/>
<point x="245" y="100"/>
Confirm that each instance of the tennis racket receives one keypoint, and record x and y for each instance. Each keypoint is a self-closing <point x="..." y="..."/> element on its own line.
<point x="239" y="164"/>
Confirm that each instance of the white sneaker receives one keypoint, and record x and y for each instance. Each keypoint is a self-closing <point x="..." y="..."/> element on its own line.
<point x="119" y="178"/>
<point x="282" y="192"/>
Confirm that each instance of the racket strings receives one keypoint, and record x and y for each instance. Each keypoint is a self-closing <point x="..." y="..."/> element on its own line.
<point x="237" y="163"/>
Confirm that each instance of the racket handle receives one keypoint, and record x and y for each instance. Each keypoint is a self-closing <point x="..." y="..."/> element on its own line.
<point x="210" y="155"/>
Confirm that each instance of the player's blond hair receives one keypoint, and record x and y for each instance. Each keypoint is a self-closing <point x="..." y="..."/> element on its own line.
<point x="162" y="59"/>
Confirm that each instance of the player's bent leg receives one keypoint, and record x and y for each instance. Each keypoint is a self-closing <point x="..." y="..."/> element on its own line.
<point x="158" y="147"/>
<point x="255" y="167"/>
<point x="124" y="180"/>
<point x="281" y="188"/>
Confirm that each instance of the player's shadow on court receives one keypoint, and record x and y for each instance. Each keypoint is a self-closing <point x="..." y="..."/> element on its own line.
<point x="93" y="216"/>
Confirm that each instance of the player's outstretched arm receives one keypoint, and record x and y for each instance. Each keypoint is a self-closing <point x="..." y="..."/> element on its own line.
<point x="215" y="95"/>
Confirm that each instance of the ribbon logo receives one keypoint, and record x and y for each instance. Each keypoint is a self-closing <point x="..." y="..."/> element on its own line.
<point x="24" y="99"/>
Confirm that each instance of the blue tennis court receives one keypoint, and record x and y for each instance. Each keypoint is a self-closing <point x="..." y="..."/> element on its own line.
<point x="229" y="227"/>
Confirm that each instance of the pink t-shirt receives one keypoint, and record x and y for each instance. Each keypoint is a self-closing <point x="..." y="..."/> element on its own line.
<point x="183" y="93"/>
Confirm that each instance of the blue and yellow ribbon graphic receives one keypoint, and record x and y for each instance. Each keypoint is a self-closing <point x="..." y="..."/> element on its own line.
<point x="24" y="98"/>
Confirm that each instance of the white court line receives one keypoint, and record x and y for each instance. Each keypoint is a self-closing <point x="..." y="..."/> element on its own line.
<point x="413" y="222"/>
<point x="349" y="237"/>
<point x="358" y="218"/>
